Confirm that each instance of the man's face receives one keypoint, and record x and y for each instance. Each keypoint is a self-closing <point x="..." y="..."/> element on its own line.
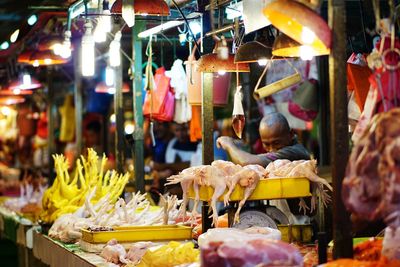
<point x="92" y="138"/>
<point x="274" y="138"/>
<point x="181" y="132"/>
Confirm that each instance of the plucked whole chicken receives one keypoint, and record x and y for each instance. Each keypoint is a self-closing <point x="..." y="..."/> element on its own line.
<point x="225" y="175"/>
<point x="220" y="175"/>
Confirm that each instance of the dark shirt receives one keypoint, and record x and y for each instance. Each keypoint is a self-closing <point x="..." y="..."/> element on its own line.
<point x="294" y="152"/>
<point x="159" y="151"/>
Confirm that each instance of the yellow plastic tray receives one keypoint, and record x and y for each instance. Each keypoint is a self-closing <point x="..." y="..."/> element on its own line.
<point x="271" y="188"/>
<point x="139" y="233"/>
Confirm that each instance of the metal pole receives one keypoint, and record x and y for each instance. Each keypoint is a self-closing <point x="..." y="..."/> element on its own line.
<point x="119" y="115"/>
<point x="207" y="118"/>
<point x="137" y="107"/>
<point x="343" y="246"/>
<point x="51" y="122"/>
<point x="78" y="103"/>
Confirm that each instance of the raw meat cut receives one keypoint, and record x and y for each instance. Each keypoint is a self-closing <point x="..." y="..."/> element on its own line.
<point x="371" y="188"/>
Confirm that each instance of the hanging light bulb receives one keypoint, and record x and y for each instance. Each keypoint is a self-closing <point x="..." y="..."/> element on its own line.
<point x="104" y="24"/>
<point x="109" y="76"/>
<point x="88" y="52"/>
<point x="26" y="80"/>
<point x="114" y="53"/>
<point x="262" y="62"/>
<point x="100" y="36"/>
<point x="306" y="52"/>
<point x="221" y="72"/>
<point x="32" y="20"/>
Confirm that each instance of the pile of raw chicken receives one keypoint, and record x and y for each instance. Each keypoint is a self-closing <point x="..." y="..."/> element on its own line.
<point x="137" y="211"/>
<point x="222" y="175"/>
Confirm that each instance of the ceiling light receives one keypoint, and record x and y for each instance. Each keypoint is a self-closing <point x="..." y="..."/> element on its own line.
<point x="7" y="92"/>
<point x="38" y="58"/>
<point x="144" y="8"/>
<point x="129" y="128"/>
<point x="11" y="100"/>
<point x="300" y="23"/>
<point x="102" y="88"/>
<point x="195" y="27"/>
<point x="88" y="52"/>
<point x="115" y="53"/>
<point x="262" y="62"/>
<point x="287" y="47"/>
<point x="24" y="82"/>
<point x="14" y="36"/>
<point x="160" y="28"/>
<point x="109" y="76"/>
<point x="32" y="20"/>
<point x="5" y="45"/>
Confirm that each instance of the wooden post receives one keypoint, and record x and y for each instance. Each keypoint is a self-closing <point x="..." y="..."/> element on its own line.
<point x="51" y="122"/>
<point x="78" y="102"/>
<point x="343" y="246"/>
<point x="119" y="115"/>
<point x="207" y="118"/>
<point x="138" y="134"/>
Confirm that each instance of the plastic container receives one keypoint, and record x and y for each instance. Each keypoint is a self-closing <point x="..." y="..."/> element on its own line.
<point x="139" y="233"/>
<point x="296" y="233"/>
<point x="271" y="188"/>
<point x="221" y="84"/>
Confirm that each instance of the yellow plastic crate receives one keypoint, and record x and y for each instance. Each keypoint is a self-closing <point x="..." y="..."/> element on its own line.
<point x="271" y="188"/>
<point x="296" y="232"/>
<point x="139" y="233"/>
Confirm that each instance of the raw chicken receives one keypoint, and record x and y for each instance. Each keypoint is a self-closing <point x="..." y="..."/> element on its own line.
<point x="137" y="251"/>
<point x="302" y="168"/>
<point x="247" y="177"/>
<point x="67" y="227"/>
<point x="201" y="175"/>
<point x="114" y="252"/>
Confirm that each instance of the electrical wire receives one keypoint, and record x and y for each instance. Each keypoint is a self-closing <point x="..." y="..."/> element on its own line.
<point x="187" y="24"/>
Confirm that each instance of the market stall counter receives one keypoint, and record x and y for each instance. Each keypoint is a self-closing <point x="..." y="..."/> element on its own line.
<point x="54" y="253"/>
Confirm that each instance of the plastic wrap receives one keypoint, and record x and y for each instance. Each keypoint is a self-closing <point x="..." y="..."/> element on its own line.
<point x="236" y="235"/>
<point x="238" y="118"/>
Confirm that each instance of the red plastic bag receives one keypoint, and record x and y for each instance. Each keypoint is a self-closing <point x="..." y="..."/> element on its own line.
<point x="159" y="102"/>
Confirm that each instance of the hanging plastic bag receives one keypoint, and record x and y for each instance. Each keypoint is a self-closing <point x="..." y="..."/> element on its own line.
<point x="183" y="112"/>
<point x="67" y="112"/>
<point x="238" y="118"/>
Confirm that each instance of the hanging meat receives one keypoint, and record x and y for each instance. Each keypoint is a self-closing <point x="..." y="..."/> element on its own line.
<point x="371" y="188"/>
<point x="238" y="118"/>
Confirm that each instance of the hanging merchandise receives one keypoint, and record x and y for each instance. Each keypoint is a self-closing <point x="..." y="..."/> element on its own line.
<point x="26" y="122"/>
<point x="276" y="86"/>
<point x="159" y="101"/>
<point x="304" y="103"/>
<point x="357" y="78"/>
<point x="238" y="118"/>
<point x="253" y="16"/>
<point x="221" y="84"/>
<point x="183" y="111"/>
<point x="42" y="130"/>
<point x="195" y="124"/>
<point x="67" y="112"/>
<point x="384" y="92"/>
